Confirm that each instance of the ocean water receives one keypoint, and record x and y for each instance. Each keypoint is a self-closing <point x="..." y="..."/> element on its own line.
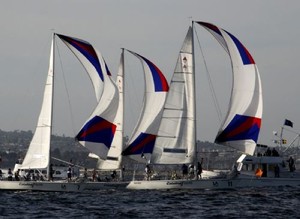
<point x="281" y="202"/>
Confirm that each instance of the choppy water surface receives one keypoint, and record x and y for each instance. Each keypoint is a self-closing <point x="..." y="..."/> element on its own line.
<point x="246" y="203"/>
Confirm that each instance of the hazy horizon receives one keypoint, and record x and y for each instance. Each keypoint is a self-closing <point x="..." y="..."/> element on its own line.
<point x="154" y="29"/>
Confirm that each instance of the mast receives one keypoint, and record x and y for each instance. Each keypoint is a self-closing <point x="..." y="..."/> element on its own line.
<point x="120" y="83"/>
<point x="51" y="63"/>
<point x="194" y="94"/>
<point x="281" y="134"/>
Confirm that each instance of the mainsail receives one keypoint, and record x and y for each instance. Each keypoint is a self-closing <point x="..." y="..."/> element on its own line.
<point x="176" y="139"/>
<point x="141" y="143"/>
<point x="38" y="153"/>
<point x="241" y="126"/>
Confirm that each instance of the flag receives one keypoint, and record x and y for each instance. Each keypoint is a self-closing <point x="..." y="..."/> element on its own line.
<point x="288" y="123"/>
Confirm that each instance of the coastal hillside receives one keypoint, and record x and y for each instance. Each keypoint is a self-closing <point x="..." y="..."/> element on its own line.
<point x="14" y="144"/>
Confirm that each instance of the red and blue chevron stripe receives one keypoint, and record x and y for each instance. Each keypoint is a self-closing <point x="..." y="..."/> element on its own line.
<point x="144" y="143"/>
<point x="107" y="70"/>
<point x="211" y="27"/>
<point x="244" y="53"/>
<point x="159" y="80"/>
<point x="241" y="128"/>
<point x="86" y="49"/>
<point x="97" y="130"/>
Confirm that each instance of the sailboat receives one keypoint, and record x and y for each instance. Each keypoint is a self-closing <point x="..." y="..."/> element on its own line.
<point x="108" y="152"/>
<point x="102" y="133"/>
<point x="176" y="144"/>
<point x="98" y="132"/>
<point x="38" y="157"/>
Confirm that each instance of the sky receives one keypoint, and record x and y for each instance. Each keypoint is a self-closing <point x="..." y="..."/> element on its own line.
<point x="156" y="30"/>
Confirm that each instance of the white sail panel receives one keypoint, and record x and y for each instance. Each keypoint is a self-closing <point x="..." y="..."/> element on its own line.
<point x="175" y="142"/>
<point x="141" y="143"/>
<point x="99" y="130"/>
<point x="114" y="158"/>
<point x="38" y="153"/>
<point x="241" y="126"/>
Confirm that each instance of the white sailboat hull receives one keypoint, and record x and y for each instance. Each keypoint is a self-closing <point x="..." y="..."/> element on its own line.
<point x="235" y="183"/>
<point x="59" y="186"/>
<point x="105" y="185"/>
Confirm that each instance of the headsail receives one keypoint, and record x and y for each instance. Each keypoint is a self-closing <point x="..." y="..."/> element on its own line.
<point x="38" y="154"/>
<point x="114" y="158"/>
<point x="141" y="144"/>
<point x="176" y="138"/>
<point x="241" y="126"/>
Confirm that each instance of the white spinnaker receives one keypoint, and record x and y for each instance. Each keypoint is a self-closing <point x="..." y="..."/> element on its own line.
<point x="176" y="138"/>
<point x="106" y="109"/>
<point x="156" y="89"/>
<point x="106" y="94"/>
<point x="246" y="95"/>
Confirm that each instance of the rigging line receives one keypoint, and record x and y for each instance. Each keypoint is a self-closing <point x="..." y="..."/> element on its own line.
<point x="65" y="85"/>
<point x="214" y="96"/>
<point x="292" y="131"/>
